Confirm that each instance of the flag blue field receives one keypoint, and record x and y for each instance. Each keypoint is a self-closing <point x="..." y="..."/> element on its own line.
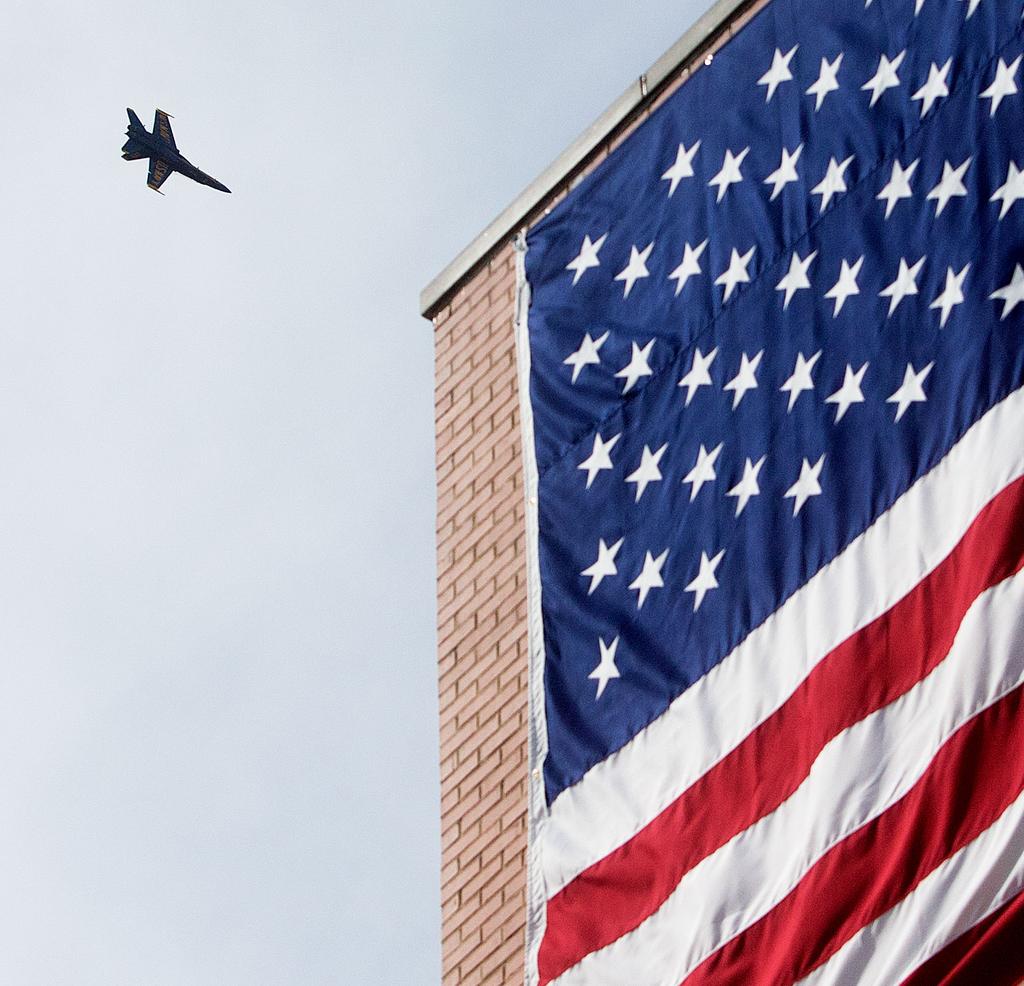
<point x="775" y="350"/>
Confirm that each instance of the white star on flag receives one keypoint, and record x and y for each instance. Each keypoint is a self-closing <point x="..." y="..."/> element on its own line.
<point x="636" y="268"/>
<point x="1011" y="190"/>
<point x="1012" y="294"/>
<point x="898" y="186"/>
<point x="846" y="285"/>
<point x="637" y="366"/>
<point x="606" y="670"/>
<point x="911" y="391"/>
<point x="973" y="6"/>
<point x="705" y="580"/>
<point x="904" y="285"/>
<point x="849" y="393"/>
<point x="599" y="458"/>
<point x="785" y="172"/>
<point x="827" y="80"/>
<point x="1003" y="84"/>
<point x="649" y="577"/>
<point x="605" y="564"/>
<point x="683" y="167"/>
<point x="746" y="379"/>
<point x="730" y="172"/>
<point x="586" y="258"/>
<point x="833" y="182"/>
<point x="689" y="267"/>
<point x="586" y="355"/>
<point x="648" y="471"/>
<point x="778" y="73"/>
<point x="796" y="279"/>
<point x="800" y="380"/>
<point x="952" y="295"/>
<point x="935" y="88"/>
<point x="951" y="185"/>
<point x="703" y="471"/>
<point x="736" y="273"/>
<point x="699" y="374"/>
<point x="806" y="486"/>
<point x="885" y="76"/>
<point x="747" y="487"/>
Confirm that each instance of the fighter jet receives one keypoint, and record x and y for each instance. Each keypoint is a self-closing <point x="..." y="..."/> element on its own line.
<point x="164" y="156"/>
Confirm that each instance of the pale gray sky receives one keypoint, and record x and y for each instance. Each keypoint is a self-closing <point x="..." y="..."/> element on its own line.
<point x="217" y="669"/>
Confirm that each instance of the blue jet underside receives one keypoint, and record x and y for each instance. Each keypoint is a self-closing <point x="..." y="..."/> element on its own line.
<point x="164" y="156"/>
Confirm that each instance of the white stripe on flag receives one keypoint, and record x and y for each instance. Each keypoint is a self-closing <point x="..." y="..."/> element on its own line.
<point x="857" y="776"/>
<point x="951" y="900"/>
<point x="620" y="795"/>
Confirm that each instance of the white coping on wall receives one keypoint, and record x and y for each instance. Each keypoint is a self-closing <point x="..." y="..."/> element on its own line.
<point x="575" y="156"/>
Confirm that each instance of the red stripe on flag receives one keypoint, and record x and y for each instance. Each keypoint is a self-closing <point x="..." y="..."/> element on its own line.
<point x="872" y="668"/>
<point x="992" y="952"/>
<point x="974" y="777"/>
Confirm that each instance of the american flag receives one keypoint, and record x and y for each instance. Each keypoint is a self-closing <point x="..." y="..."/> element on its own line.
<point x="774" y="347"/>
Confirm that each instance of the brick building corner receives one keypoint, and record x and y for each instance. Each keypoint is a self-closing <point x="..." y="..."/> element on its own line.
<point x="481" y="545"/>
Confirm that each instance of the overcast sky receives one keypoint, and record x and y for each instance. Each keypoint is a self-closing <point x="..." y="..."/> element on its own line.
<point x="218" y="710"/>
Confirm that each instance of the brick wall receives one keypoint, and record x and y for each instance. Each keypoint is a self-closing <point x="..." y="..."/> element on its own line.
<point x="481" y="631"/>
<point x="482" y="608"/>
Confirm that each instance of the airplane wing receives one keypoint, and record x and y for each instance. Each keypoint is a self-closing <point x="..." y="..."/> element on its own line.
<point x="162" y="127"/>
<point x="158" y="172"/>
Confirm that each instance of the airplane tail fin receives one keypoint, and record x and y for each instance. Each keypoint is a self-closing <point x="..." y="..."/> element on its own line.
<point x="134" y="119"/>
<point x="133" y="150"/>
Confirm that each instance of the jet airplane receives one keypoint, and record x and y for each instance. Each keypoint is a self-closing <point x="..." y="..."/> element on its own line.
<point x="162" y="151"/>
